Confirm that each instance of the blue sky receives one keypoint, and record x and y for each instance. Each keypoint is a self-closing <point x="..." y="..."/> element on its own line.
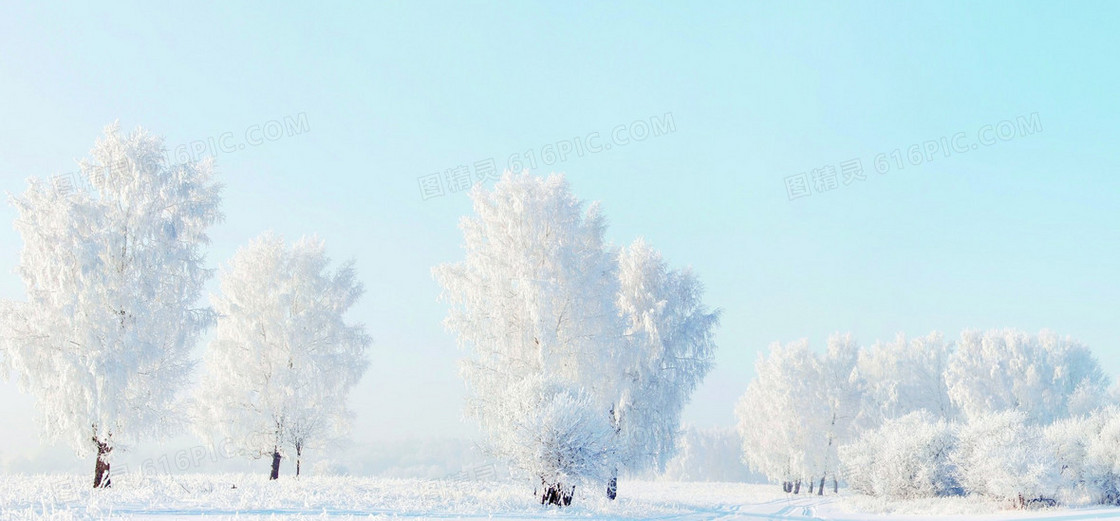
<point x="1021" y="233"/>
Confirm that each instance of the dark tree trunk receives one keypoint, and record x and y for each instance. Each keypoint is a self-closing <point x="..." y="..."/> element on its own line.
<point x="835" y="486"/>
<point x="811" y="484"/>
<point x="797" y="487"/>
<point x="557" y="494"/>
<point x="275" y="465"/>
<point x="787" y="487"/>
<point x="612" y="485"/>
<point x="101" y="477"/>
<point x="820" y="490"/>
<point x="299" y="457"/>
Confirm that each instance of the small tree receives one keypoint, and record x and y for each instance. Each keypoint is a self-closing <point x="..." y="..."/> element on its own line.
<point x="840" y="389"/>
<point x="283" y="359"/>
<point x="779" y="415"/>
<point x="559" y="436"/>
<point x="112" y="277"/>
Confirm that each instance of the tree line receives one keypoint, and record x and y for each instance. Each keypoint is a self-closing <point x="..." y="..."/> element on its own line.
<point x="1000" y="413"/>
<point x="579" y="354"/>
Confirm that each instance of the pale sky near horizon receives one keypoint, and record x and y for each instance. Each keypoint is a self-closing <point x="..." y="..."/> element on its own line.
<point x="1018" y="232"/>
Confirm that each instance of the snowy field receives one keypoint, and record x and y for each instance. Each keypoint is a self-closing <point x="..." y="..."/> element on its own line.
<point x="214" y="496"/>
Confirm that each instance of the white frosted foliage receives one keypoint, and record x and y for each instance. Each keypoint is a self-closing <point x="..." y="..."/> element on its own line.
<point x="552" y="317"/>
<point x="112" y="275"/>
<point x="283" y="359"/>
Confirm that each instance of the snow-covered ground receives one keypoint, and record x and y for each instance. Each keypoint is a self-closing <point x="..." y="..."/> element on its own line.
<point x="65" y="497"/>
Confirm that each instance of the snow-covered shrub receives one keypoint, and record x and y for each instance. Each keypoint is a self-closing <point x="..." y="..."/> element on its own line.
<point x="1000" y="456"/>
<point x="561" y="439"/>
<point x="905" y="458"/>
<point x="1086" y="450"/>
<point x="1068" y="441"/>
<point x="1101" y="469"/>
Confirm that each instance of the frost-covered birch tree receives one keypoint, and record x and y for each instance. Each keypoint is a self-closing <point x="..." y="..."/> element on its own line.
<point x="773" y="414"/>
<point x="558" y="334"/>
<point x="283" y="359"/>
<point x="798" y="411"/>
<point x="112" y="276"/>
<point x="533" y="305"/>
<point x="668" y="351"/>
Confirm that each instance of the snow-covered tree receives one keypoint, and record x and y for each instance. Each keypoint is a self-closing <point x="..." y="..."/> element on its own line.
<point x="905" y="376"/>
<point x="1001" y="455"/>
<point x="283" y="359"/>
<point x="799" y="410"/>
<point x="777" y="413"/>
<point x="1044" y="376"/>
<point x="904" y="458"/>
<point x="112" y="276"/>
<point x="668" y="352"/>
<point x="890" y="408"/>
<point x="532" y="304"/>
<point x="543" y="307"/>
<point x="840" y="390"/>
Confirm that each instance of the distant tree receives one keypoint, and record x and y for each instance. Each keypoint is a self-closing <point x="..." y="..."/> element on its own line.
<point x="1043" y="376"/>
<point x="890" y="411"/>
<point x="550" y="320"/>
<point x="777" y="412"/>
<point x="798" y="411"/>
<point x="283" y="359"/>
<point x="112" y="277"/>
<point x="709" y="454"/>
<point x="841" y="391"/>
